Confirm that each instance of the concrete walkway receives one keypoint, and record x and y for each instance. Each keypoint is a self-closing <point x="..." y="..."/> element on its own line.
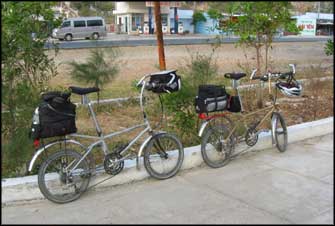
<point x="257" y="187"/>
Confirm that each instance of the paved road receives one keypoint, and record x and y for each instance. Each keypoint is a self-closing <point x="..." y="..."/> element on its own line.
<point x="256" y="188"/>
<point x="150" y="40"/>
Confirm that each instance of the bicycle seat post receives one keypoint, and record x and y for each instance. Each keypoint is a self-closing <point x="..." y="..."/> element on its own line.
<point x="234" y="84"/>
<point x="86" y="101"/>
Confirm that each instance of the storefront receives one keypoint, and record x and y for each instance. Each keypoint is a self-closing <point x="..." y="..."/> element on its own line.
<point x="315" y="24"/>
<point x="138" y="17"/>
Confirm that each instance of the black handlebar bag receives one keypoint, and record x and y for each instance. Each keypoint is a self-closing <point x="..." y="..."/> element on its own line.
<point x="165" y="82"/>
<point x="211" y="98"/>
<point x="55" y="116"/>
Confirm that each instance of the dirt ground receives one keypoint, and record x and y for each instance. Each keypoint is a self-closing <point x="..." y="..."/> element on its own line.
<point x="138" y="61"/>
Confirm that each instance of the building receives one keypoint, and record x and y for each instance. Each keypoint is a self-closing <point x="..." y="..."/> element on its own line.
<point x="138" y="17"/>
<point x="207" y="27"/>
<point x="185" y="18"/>
<point x="210" y="26"/>
<point x="63" y="9"/>
<point x="315" y="24"/>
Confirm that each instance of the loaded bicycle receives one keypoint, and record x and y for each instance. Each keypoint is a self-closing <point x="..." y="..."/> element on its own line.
<point x="219" y="131"/>
<point x="66" y="173"/>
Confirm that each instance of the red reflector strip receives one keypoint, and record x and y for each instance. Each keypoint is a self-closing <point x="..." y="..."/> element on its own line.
<point x="202" y="116"/>
<point x="36" y="143"/>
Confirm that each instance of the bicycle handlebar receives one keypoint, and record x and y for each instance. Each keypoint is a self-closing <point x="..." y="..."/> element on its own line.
<point x="273" y="74"/>
<point x="150" y="85"/>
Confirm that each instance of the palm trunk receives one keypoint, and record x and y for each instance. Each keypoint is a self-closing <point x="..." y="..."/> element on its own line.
<point x="266" y="56"/>
<point x="259" y="92"/>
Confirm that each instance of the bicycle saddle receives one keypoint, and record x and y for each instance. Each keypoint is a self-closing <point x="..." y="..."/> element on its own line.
<point x="82" y="91"/>
<point x="235" y="76"/>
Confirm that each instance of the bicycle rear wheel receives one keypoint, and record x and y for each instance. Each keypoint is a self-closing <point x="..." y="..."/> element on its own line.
<point x="163" y="156"/>
<point x="280" y="131"/>
<point x="215" y="152"/>
<point x="56" y="182"/>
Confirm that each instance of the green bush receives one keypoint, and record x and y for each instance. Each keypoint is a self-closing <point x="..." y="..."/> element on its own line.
<point x="26" y="70"/>
<point x="180" y="105"/>
<point x="96" y="71"/>
<point x="329" y="48"/>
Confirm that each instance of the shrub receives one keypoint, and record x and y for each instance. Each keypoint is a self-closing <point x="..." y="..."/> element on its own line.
<point x="180" y="105"/>
<point x="329" y="48"/>
<point x="96" y="70"/>
<point x="26" y="71"/>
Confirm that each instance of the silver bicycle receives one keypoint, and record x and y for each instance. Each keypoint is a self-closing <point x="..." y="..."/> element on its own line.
<point x="66" y="174"/>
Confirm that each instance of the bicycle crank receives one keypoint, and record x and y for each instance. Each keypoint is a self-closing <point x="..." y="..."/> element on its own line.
<point x="112" y="163"/>
<point x="251" y="136"/>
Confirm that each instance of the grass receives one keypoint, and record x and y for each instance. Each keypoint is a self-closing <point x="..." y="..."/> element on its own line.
<point x="139" y="61"/>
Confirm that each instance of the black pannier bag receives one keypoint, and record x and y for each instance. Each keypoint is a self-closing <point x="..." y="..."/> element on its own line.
<point x="211" y="98"/>
<point x="234" y="104"/>
<point x="55" y="116"/>
<point x="165" y="82"/>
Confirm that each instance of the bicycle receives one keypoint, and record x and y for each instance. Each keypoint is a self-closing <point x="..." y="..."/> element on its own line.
<point x="219" y="139"/>
<point x="66" y="174"/>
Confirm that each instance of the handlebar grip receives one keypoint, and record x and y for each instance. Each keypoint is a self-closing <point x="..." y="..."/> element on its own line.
<point x="148" y="86"/>
<point x="227" y="75"/>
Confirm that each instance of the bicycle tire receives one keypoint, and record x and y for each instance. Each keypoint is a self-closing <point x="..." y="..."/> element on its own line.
<point x="155" y="145"/>
<point x="279" y="118"/>
<point x="205" y="149"/>
<point x="42" y="174"/>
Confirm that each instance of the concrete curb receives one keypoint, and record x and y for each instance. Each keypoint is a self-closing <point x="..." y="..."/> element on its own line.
<point x="26" y="188"/>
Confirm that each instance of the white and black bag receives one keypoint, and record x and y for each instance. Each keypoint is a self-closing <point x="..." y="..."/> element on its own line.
<point x="165" y="82"/>
<point x="211" y="98"/>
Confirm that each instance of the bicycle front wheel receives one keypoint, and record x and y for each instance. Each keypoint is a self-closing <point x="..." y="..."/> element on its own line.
<point x="280" y="131"/>
<point x="163" y="156"/>
<point x="214" y="150"/>
<point x="56" y="181"/>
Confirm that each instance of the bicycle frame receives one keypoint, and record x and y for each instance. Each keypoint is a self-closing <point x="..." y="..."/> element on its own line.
<point x="269" y="111"/>
<point x="101" y="137"/>
<point x="243" y="117"/>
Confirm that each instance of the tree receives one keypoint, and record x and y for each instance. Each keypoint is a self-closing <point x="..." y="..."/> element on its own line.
<point x="197" y="17"/>
<point x="96" y="70"/>
<point x="329" y="48"/>
<point x="257" y="25"/>
<point x="93" y="8"/>
<point x="26" y="70"/>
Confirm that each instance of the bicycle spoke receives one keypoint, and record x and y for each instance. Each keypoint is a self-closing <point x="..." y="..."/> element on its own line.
<point x="214" y="150"/>
<point x="60" y="186"/>
<point x="170" y="156"/>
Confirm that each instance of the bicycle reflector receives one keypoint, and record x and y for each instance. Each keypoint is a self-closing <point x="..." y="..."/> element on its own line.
<point x="202" y="116"/>
<point x="36" y="143"/>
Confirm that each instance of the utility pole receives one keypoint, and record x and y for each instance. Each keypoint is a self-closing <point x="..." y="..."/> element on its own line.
<point x="159" y="33"/>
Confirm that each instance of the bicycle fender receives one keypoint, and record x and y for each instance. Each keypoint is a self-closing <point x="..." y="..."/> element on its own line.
<point x="203" y="127"/>
<point x="146" y="142"/>
<point x="273" y="127"/>
<point x="44" y="148"/>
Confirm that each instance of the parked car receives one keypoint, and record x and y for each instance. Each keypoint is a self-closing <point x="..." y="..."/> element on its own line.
<point x="81" y="27"/>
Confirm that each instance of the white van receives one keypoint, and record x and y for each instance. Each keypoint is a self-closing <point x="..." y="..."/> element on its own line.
<point x="81" y="27"/>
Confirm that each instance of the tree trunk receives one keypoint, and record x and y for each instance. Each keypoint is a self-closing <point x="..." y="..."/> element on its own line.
<point x="12" y="110"/>
<point x="266" y="56"/>
<point x="259" y="91"/>
<point x="159" y="33"/>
